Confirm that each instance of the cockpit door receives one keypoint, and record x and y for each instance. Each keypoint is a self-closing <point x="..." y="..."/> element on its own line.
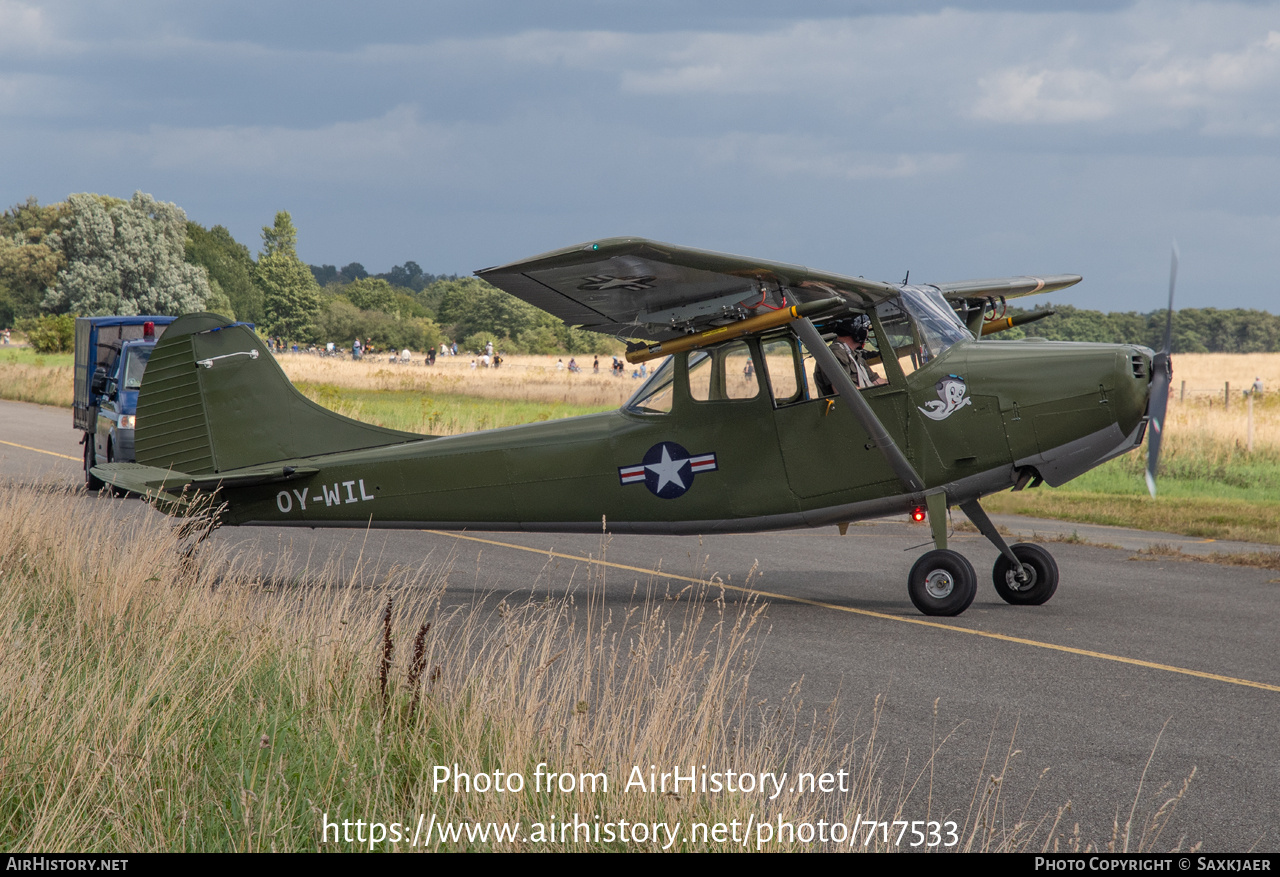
<point x="825" y="450"/>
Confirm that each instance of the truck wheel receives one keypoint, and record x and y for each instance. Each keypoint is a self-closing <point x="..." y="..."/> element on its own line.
<point x="111" y="458"/>
<point x="91" y="484"/>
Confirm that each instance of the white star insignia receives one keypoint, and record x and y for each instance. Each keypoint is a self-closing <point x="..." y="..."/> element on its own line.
<point x="667" y="470"/>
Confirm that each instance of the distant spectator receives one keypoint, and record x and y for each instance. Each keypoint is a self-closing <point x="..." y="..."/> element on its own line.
<point x="1257" y="381"/>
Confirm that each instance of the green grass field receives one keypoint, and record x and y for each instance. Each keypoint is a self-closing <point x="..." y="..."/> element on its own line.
<point x="1213" y="489"/>
<point x="27" y="356"/>
<point x="439" y="414"/>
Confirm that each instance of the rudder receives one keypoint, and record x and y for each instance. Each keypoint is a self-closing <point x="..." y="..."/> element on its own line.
<point x="214" y="399"/>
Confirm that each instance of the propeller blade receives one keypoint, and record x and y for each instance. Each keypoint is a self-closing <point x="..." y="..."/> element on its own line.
<point x="1161" y="381"/>
<point x="1168" y="320"/>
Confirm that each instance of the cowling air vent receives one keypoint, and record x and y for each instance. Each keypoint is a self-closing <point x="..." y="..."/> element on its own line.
<point x="1139" y="366"/>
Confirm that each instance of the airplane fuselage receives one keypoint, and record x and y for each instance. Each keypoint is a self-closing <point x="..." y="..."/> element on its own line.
<point x="977" y="419"/>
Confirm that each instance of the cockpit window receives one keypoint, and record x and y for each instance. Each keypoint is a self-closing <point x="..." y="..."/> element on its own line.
<point x="781" y="361"/>
<point x="920" y="325"/>
<point x="656" y="394"/>
<point x="936" y="321"/>
<point x="722" y="373"/>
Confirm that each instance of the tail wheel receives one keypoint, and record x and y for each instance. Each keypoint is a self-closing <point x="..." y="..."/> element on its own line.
<point x="91" y="483"/>
<point x="942" y="582"/>
<point x="1040" y="576"/>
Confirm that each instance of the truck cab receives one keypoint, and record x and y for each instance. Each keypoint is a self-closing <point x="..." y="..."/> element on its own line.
<point x="111" y="356"/>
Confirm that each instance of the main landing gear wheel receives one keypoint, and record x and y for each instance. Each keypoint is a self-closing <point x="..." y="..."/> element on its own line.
<point x="942" y="583"/>
<point x="1041" y="576"/>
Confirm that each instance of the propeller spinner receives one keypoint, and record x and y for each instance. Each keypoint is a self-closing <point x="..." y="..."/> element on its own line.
<point x="1161" y="379"/>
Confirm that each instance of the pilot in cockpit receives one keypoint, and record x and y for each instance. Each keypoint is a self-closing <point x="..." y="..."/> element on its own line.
<point x="849" y="347"/>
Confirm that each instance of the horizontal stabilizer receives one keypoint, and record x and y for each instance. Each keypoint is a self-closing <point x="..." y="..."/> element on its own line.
<point x="163" y="485"/>
<point x="251" y="476"/>
<point x="166" y="485"/>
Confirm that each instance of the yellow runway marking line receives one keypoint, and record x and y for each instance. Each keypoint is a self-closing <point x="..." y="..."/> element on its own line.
<point x="39" y="450"/>
<point x="1086" y="653"/>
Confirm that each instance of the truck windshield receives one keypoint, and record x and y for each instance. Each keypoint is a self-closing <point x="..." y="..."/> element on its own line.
<point x="134" y="365"/>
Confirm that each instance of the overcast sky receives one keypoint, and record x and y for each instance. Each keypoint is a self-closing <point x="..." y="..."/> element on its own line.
<point x="958" y="140"/>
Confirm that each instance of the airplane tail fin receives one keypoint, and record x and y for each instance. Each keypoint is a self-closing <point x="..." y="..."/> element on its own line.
<point x="213" y="399"/>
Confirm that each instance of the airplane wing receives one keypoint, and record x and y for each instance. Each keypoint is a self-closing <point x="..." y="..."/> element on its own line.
<point x="637" y="288"/>
<point x="1006" y="287"/>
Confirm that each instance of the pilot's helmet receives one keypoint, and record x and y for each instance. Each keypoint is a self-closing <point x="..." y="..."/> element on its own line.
<point x="853" y="327"/>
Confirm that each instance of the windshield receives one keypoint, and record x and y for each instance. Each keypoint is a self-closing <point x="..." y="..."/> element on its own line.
<point x="656" y="394"/>
<point x="920" y="325"/>
<point x="937" y="323"/>
<point x="134" y="365"/>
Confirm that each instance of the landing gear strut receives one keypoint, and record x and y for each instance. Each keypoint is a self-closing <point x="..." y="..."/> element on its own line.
<point x="1039" y="577"/>
<point x="942" y="582"/>
<point x="1024" y="574"/>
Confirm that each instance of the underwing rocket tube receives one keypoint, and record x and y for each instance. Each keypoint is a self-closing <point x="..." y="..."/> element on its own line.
<point x="771" y="320"/>
<point x="831" y="367"/>
<point x="994" y="326"/>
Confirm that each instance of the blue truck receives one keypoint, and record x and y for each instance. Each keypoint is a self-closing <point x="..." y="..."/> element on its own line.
<point x="111" y="355"/>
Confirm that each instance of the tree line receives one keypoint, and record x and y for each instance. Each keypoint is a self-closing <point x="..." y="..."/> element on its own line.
<point x="1195" y="330"/>
<point x="94" y="254"/>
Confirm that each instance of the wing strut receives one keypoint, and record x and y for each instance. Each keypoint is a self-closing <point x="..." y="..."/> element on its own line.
<point x="831" y="367"/>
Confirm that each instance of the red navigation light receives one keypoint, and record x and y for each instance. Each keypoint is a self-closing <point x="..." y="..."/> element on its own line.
<point x="917" y="514"/>
<point x="149" y="329"/>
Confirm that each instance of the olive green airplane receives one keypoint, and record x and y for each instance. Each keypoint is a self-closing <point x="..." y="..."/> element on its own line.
<point x="730" y="432"/>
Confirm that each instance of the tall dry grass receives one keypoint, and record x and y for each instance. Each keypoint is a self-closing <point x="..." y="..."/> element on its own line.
<point x="1208" y="413"/>
<point x="38" y="383"/>
<point x="1208" y="373"/>
<point x="1210" y="441"/>
<point x="151" y="701"/>
<point x="148" y="703"/>
<point x="525" y="378"/>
